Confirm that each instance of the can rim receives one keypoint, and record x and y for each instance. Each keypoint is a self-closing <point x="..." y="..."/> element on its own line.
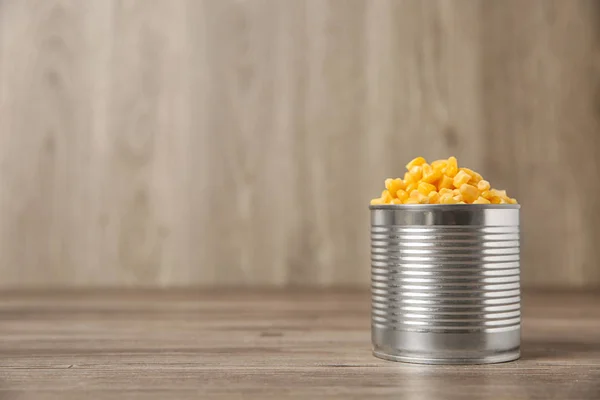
<point x="444" y="206"/>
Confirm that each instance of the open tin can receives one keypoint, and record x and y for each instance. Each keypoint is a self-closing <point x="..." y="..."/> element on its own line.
<point x="445" y="283"/>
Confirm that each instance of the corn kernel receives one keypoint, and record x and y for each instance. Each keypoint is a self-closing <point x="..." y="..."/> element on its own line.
<point x="395" y="185"/>
<point x="442" y="182"/>
<point x="481" y="200"/>
<point x="411" y="186"/>
<point x="498" y="193"/>
<point x="386" y="197"/>
<point x="447" y="199"/>
<point x="417" y="173"/>
<point x="388" y="183"/>
<point x="433" y="177"/>
<point x="429" y="174"/>
<point x="426" y="168"/>
<point x="420" y="197"/>
<point x="469" y="192"/>
<point x="445" y="196"/>
<point x="425" y="188"/>
<point x="434" y="197"/>
<point x="402" y="195"/>
<point x="483" y="185"/>
<point x="415" y="163"/>
<point x="451" y="167"/>
<point x="423" y="199"/>
<point x="439" y="164"/>
<point x="461" y="178"/>
<point x="445" y="183"/>
<point x="475" y="177"/>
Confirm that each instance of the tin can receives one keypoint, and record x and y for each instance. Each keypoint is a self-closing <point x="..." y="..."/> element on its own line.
<point x="445" y="283"/>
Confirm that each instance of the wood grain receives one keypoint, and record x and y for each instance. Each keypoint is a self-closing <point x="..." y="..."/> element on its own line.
<point x="540" y="63"/>
<point x="268" y="345"/>
<point x="223" y="142"/>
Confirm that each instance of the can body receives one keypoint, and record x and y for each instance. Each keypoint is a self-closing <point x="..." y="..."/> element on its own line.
<point x="445" y="283"/>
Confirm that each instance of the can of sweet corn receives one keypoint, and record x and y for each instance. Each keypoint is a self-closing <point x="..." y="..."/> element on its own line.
<point x="445" y="283"/>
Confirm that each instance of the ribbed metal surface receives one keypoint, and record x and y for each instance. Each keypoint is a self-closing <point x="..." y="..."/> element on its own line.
<point x="445" y="269"/>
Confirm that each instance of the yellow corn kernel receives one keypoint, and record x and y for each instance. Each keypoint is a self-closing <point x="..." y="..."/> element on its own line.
<point x="432" y="177"/>
<point x="481" y="200"/>
<point x="483" y="185"/>
<point x="441" y="182"/>
<point x="386" y="197"/>
<point x="447" y="199"/>
<point x="388" y="182"/>
<point x="445" y="183"/>
<point x="444" y="197"/>
<point x="420" y="197"/>
<point x="417" y="173"/>
<point x="426" y="168"/>
<point x="411" y="186"/>
<point x="425" y="188"/>
<point x="423" y="199"/>
<point x="416" y="162"/>
<point x="395" y="185"/>
<point x="498" y="193"/>
<point x="439" y="164"/>
<point x="461" y="178"/>
<point x="475" y="177"/>
<point x="402" y="195"/>
<point x="434" y="197"/>
<point x="469" y="192"/>
<point x="451" y="167"/>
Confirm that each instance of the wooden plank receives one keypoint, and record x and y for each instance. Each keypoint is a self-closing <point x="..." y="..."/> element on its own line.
<point x="53" y="56"/>
<point x="144" y="207"/>
<point x="202" y="143"/>
<point x="542" y="122"/>
<point x="190" y="344"/>
<point x="245" y="208"/>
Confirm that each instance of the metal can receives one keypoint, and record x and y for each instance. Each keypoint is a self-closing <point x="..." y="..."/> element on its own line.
<point x="445" y="283"/>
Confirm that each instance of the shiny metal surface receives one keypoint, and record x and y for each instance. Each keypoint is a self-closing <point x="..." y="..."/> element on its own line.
<point x="445" y="283"/>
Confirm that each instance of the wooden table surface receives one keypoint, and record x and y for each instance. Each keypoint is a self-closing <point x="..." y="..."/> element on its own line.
<point x="268" y="345"/>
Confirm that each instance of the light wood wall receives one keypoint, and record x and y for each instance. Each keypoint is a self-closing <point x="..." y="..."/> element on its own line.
<point x="238" y="142"/>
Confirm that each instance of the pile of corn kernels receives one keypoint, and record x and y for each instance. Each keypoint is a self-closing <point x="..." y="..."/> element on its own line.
<point x="440" y="182"/>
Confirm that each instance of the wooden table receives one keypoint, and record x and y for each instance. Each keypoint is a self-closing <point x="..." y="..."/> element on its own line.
<point x="268" y="345"/>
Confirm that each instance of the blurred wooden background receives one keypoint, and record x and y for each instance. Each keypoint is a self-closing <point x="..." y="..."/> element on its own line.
<point x="188" y="142"/>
